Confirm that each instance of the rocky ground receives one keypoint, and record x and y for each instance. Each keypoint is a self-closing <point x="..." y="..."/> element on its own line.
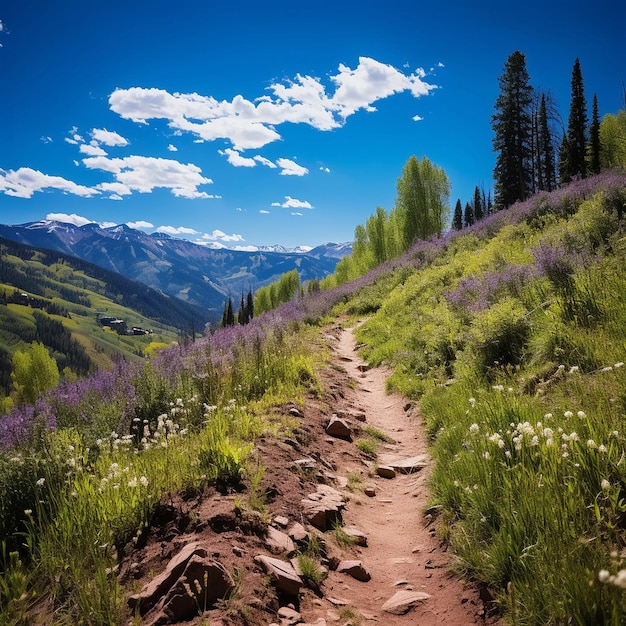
<point x="386" y="566"/>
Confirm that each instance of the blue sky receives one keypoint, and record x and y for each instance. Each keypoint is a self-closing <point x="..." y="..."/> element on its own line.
<point x="250" y="123"/>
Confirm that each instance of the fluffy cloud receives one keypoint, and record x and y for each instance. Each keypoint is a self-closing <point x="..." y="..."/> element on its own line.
<point x="108" y="138"/>
<point x="77" y="220"/>
<point x="140" y="224"/>
<point x="172" y="148"/>
<point x="177" y="230"/>
<point x="92" y="150"/>
<point x="264" y="161"/>
<point x="293" y="203"/>
<point x="291" y="168"/>
<point x="219" y="235"/>
<point x="252" y="124"/>
<point x="235" y="158"/>
<point x="264" y="212"/>
<point x="24" y="182"/>
<point x="143" y="174"/>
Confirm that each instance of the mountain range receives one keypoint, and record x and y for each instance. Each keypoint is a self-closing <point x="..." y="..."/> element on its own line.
<point x="196" y="274"/>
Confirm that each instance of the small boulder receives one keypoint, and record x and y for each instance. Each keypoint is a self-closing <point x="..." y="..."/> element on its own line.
<point x="278" y="541"/>
<point x="355" y="569"/>
<point x="403" y="601"/>
<point x="385" y="471"/>
<point x="282" y="574"/>
<point x="338" y="428"/>
<point x="358" y="536"/>
<point x="323" y="508"/>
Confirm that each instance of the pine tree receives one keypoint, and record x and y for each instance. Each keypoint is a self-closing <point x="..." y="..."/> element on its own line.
<point x="457" y="220"/>
<point x="573" y="152"/>
<point x="512" y="125"/>
<point x="478" y="205"/>
<point x="594" y="138"/>
<point x="250" y="305"/>
<point x="242" y="316"/>
<point x="228" y="317"/>
<point x="468" y="215"/>
<point x="547" y="168"/>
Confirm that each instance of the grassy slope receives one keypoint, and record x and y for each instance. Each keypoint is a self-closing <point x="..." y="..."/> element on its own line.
<point x="512" y="337"/>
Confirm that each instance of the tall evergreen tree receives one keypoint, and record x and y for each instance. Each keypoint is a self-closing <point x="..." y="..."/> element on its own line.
<point x="512" y="125"/>
<point x="228" y="317"/>
<point x="457" y="220"/>
<point x="547" y="167"/>
<point x="572" y="156"/>
<point x="594" y="138"/>
<point x="242" y="316"/>
<point x="250" y="305"/>
<point x="468" y="215"/>
<point x="478" y="205"/>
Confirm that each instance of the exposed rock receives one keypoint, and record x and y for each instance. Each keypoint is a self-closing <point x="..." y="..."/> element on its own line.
<point x="363" y="367"/>
<point x="278" y="541"/>
<point x="339" y="428"/>
<point x="281" y="520"/>
<point x="358" y="536"/>
<point x="406" y="465"/>
<point x="289" y="616"/>
<point x="202" y="584"/>
<point x="298" y="533"/>
<point x="161" y="584"/>
<point x="370" y="492"/>
<point x="385" y="471"/>
<point x="354" y="569"/>
<point x="403" y="601"/>
<point x="323" y="507"/>
<point x="295" y="412"/>
<point x="282" y="573"/>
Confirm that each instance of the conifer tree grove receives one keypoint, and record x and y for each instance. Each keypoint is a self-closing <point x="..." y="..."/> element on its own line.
<point x="512" y="125"/>
<point x="468" y="215"/>
<point x="572" y="158"/>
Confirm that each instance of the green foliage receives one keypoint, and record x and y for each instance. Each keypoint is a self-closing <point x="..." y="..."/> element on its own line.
<point x="613" y="140"/>
<point x="34" y="372"/>
<point x="285" y="289"/>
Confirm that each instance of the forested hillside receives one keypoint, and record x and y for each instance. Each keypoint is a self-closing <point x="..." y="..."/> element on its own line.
<point x="58" y="300"/>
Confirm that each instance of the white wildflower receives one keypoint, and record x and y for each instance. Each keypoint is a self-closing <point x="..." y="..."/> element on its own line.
<point x="474" y="428"/>
<point x="41" y="482"/>
<point x="568" y="414"/>
<point x="605" y="484"/>
<point x="144" y="481"/>
<point x="604" y="576"/>
<point x="581" y="414"/>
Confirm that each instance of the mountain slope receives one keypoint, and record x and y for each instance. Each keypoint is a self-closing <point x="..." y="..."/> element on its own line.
<point x="61" y="300"/>
<point x="196" y="274"/>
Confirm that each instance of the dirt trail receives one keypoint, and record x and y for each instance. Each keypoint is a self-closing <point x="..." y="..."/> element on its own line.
<point x="403" y="551"/>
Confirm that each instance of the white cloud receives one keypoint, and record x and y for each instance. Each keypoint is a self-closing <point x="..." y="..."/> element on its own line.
<point x="172" y="148"/>
<point x="264" y="161"/>
<point x="74" y="138"/>
<point x="108" y="138"/>
<point x="293" y="203"/>
<point x="264" y="212"/>
<point x="46" y="139"/>
<point x="219" y="235"/>
<point x="417" y="118"/>
<point x="291" y="168"/>
<point x="296" y="213"/>
<point x="235" y="158"/>
<point x="177" y="230"/>
<point x="143" y="174"/>
<point x="117" y="189"/>
<point x="24" y="182"/>
<point x="107" y="224"/>
<point x="77" y="220"/>
<point x="252" y="124"/>
<point x="139" y="224"/>
<point x="92" y="150"/>
<point x="325" y="169"/>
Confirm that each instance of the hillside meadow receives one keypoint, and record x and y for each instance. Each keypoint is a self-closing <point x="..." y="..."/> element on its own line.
<point x="509" y="334"/>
